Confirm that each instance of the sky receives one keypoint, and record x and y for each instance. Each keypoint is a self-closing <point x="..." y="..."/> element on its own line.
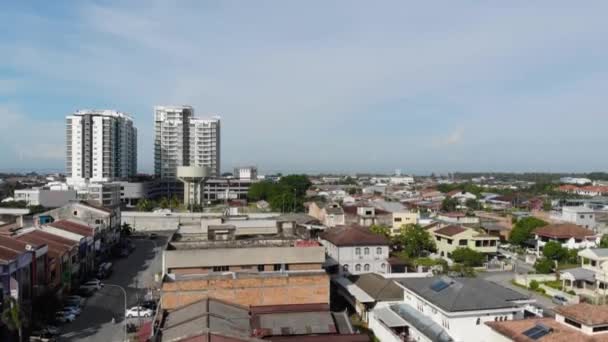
<point x="319" y="86"/>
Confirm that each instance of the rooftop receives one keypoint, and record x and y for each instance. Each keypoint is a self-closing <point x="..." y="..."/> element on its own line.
<point x="378" y="287"/>
<point x="73" y="227"/>
<point x="585" y="313"/>
<point x="462" y="294"/>
<point x="564" y="231"/>
<point x="353" y="236"/>
<point x="515" y="330"/>
<point x="450" y="230"/>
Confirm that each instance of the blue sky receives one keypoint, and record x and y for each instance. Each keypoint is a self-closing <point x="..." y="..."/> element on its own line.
<point x="319" y="85"/>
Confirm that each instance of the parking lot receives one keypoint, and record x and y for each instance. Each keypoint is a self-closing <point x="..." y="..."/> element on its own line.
<point x="102" y="317"/>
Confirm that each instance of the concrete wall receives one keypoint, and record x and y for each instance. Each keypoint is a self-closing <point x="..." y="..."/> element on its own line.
<point x="267" y="290"/>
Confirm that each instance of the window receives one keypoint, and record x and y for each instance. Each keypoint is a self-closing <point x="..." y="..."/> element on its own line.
<point x="75" y="213"/>
<point x="357" y="251"/>
<point x="382" y="265"/>
<point x="397" y="219"/>
<point x="449" y="241"/>
<point x="366" y="251"/>
<point x="379" y="250"/>
<point x="438" y="238"/>
<point x="345" y="267"/>
<point x="358" y="267"/>
<point x="572" y="323"/>
<point x="220" y="268"/>
<point x="582" y="216"/>
<point x="462" y="242"/>
<point x="598" y="329"/>
<point x="478" y="321"/>
<point x="277" y="267"/>
<point x="366" y="267"/>
<point x="260" y="268"/>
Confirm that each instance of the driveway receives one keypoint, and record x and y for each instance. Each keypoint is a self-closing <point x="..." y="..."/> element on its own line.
<point x="136" y="275"/>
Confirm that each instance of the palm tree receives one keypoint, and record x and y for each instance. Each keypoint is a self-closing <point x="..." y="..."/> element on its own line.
<point x="12" y="316"/>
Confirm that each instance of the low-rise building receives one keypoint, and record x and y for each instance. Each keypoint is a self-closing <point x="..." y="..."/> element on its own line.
<point x="579" y="322"/>
<point x="366" y="215"/>
<point x="85" y="236"/>
<point x="449" y="238"/>
<point x="45" y="197"/>
<point x="582" y="216"/>
<point x="590" y="279"/>
<point x="330" y="215"/>
<point x="447" y="309"/>
<point x="569" y="235"/>
<point x="457" y="218"/>
<point x="355" y="250"/>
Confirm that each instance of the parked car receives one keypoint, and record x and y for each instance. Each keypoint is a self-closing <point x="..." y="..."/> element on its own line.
<point x="139" y="311"/>
<point x="95" y="283"/>
<point x="104" y="270"/>
<point x="74" y="300"/>
<point x="559" y="300"/>
<point x="64" y="317"/>
<point x="72" y="309"/>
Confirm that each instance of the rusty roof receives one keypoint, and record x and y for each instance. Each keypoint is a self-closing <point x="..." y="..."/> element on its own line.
<point x="450" y="230"/>
<point x="564" y="230"/>
<point x="353" y="236"/>
<point x="560" y="332"/>
<point x="585" y="313"/>
<point x="73" y="227"/>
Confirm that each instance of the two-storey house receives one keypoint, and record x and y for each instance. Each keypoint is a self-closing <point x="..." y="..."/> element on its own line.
<point x="591" y="279"/>
<point x="446" y="309"/>
<point x="569" y="235"/>
<point x="355" y="250"/>
<point x="449" y="238"/>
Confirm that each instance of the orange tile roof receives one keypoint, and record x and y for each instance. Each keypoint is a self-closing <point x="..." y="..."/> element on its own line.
<point x="450" y="230"/>
<point x="564" y="230"/>
<point x="584" y="313"/>
<point x="561" y="333"/>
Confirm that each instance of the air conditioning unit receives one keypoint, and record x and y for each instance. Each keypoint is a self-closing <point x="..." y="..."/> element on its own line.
<point x="29" y="247"/>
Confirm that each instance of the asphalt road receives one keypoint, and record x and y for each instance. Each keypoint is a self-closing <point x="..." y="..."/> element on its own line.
<point x="135" y="274"/>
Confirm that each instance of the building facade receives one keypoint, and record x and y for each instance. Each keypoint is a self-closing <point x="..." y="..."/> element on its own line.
<point x="101" y="146"/>
<point x="184" y="140"/>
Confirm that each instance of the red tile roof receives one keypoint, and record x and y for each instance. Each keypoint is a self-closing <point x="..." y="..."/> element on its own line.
<point x="7" y="254"/>
<point x="453" y="214"/>
<point x="514" y="330"/>
<point x="564" y="230"/>
<point x="450" y="230"/>
<point x="73" y="227"/>
<point x="354" y="236"/>
<point x="57" y="245"/>
<point x="585" y="313"/>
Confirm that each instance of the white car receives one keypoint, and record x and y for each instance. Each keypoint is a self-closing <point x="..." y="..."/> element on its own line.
<point x="64" y="316"/>
<point x="139" y="311"/>
<point x="95" y="283"/>
<point x="72" y="309"/>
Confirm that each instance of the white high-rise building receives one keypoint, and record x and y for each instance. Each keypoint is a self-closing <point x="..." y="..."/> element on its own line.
<point x="184" y="140"/>
<point x="101" y="146"/>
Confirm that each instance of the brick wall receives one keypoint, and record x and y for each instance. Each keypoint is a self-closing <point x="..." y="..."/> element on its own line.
<point x="254" y="291"/>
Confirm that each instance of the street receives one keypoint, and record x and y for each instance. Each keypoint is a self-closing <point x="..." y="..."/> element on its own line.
<point x="135" y="274"/>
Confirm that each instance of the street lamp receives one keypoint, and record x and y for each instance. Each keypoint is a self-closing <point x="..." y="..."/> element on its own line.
<point x="125" y="312"/>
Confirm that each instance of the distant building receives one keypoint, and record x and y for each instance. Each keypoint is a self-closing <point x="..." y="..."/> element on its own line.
<point x="457" y="218"/>
<point x="246" y="172"/>
<point x="582" y="216"/>
<point x="449" y="238"/>
<point x="45" y="197"/>
<point x="569" y="235"/>
<point x="101" y="146"/>
<point x="330" y="214"/>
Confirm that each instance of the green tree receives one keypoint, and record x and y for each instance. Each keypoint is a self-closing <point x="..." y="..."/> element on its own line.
<point x="604" y="241"/>
<point x="164" y="203"/>
<point x="352" y="191"/>
<point x="473" y="204"/>
<point x="145" y="205"/>
<point x="554" y="251"/>
<point x="174" y="202"/>
<point x="468" y="257"/>
<point x="462" y="270"/>
<point x="381" y="230"/>
<point x="414" y="241"/>
<point x="544" y="266"/>
<point x="299" y="183"/>
<point x="449" y="204"/>
<point x="522" y="230"/>
<point x="260" y="191"/>
<point x="12" y="316"/>
<point x="534" y="285"/>
<point x="126" y="230"/>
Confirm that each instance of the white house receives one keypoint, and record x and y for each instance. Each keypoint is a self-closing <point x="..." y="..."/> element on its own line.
<point x="355" y="250"/>
<point x="581" y="216"/>
<point x="591" y="278"/>
<point x="570" y="236"/>
<point x="447" y="309"/>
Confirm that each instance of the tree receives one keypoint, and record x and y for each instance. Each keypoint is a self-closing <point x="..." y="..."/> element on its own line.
<point x="126" y="230"/>
<point x="449" y="204"/>
<point x="604" y="241"/>
<point x="146" y="205"/>
<point x="12" y="316"/>
<point x="544" y="266"/>
<point x="554" y="251"/>
<point x="473" y="204"/>
<point x="381" y="230"/>
<point x="522" y="230"/>
<point x="415" y="241"/>
<point x="352" y="191"/>
<point x="468" y="257"/>
<point x="461" y="270"/>
<point x="533" y="285"/>
<point x="174" y="202"/>
<point x="260" y="191"/>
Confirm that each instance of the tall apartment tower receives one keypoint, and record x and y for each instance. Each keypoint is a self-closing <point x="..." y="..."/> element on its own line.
<point x="101" y="146"/>
<point x="184" y="140"/>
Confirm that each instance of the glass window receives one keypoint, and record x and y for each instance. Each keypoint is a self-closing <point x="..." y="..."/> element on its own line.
<point x="345" y="267"/>
<point x="366" y="267"/>
<point x="358" y="267"/>
<point x="358" y="251"/>
<point x="366" y="251"/>
<point x="379" y="250"/>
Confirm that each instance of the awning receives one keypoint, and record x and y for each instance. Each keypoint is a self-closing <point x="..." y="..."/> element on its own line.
<point x="389" y="318"/>
<point x="578" y="273"/>
<point x="354" y="290"/>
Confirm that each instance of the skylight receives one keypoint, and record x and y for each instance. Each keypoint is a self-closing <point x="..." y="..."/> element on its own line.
<point x="538" y="331"/>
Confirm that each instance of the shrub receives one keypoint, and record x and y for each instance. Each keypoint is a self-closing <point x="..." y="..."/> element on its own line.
<point x="534" y="285"/>
<point x="571" y="292"/>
